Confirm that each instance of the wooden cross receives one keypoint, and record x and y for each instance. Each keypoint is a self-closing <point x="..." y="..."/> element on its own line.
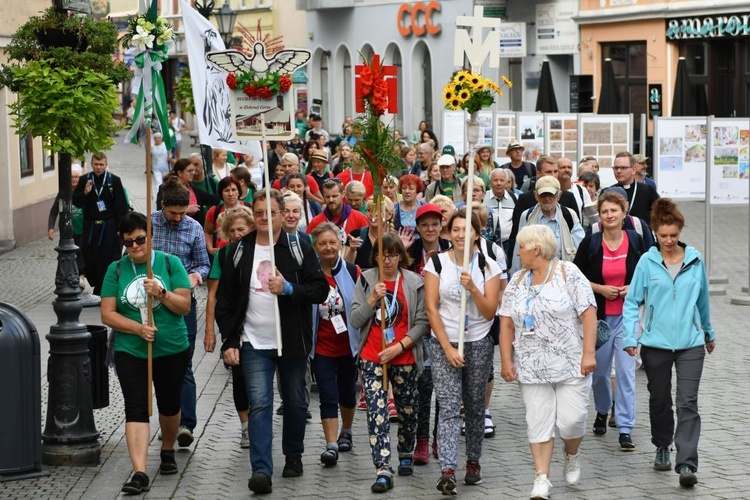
<point x="477" y="47"/>
<point x="389" y="74"/>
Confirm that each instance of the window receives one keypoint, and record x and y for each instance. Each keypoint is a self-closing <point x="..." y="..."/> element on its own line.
<point x="630" y="62"/>
<point x="48" y="157"/>
<point x="26" y="150"/>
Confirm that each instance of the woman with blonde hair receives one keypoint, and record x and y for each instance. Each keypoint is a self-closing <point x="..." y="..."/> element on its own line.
<point x="547" y="345"/>
<point x="447" y="207"/>
<point x="221" y="168"/>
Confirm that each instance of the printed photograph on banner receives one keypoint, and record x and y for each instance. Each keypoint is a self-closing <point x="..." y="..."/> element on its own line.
<point x="726" y="156"/>
<point x="278" y="116"/>
<point x="726" y="136"/>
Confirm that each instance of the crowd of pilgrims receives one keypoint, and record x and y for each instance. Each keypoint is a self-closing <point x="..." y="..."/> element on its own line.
<point x="551" y="285"/>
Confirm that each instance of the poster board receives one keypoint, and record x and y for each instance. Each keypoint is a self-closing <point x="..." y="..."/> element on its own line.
<point x="562" y="136"/>
<point x="728" y="161"/>
<point x="505" y="131"/>
<point x="530" y="133"/>
<point x="680" y="157"/>
<point x="454" y="130"/>
<point x="278" y="116"/>
<point x="603" y="136"/>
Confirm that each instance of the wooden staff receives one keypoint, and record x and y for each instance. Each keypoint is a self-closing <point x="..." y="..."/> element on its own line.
<point x="381" y="277"/>
<point x="267" y="182"/>
<point x="467" y="247"/>
<point x="149" y="271"/>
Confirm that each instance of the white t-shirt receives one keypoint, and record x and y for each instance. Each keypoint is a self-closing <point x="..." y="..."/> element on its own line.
<point x="177" y="125"/>
<point x="160" y="158"/>
<point x="553" y="352"/>
<point x="450" y="296"/>
<point x="259" y="327"/>
<point x="503" y="210"/>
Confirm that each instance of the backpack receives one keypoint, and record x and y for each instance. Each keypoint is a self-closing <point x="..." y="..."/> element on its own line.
<point x="634" y="221"/>
<point x="166" y="264"/>
<point x="566" y="212"/>
<point x="294" y="246"/>
<point x="596" y="242"/>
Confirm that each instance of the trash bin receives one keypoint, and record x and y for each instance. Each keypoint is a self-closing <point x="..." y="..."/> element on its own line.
<point x="20" y="393"/>
<point x="99" y="370"/>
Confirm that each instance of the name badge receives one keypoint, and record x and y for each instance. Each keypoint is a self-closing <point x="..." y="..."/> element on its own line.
<point x="101" y="206"/>
<point x="390" y="335"/>
<point x="338" y="323"/>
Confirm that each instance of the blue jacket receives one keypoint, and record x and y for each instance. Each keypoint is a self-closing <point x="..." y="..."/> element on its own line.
<point x="342" y="273"/>
<point x="677" y="312"/>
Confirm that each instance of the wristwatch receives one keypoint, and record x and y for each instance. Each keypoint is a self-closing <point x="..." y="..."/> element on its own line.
<point x="163" y="292"/>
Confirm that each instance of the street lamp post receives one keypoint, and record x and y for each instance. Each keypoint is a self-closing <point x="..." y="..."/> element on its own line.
<point x="225" y="19"/>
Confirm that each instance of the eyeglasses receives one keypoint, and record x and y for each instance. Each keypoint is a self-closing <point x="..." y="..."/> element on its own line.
<point x="391" y="257"/>
<point x="261" y="214"/>
<point x="617" y="169"/>
<point x="191" y="172"/>
<point x="141" y="240"/>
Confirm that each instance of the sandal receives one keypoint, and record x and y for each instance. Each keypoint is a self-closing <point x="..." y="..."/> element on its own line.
<point x="405" y="466"/>
<point x="345" y="442"/>
<point x="383" y="483"/>
<point x="330" y="457"/>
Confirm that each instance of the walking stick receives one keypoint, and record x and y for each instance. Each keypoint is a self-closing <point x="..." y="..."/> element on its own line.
<point x="378" y="207"/>
<point x="267" y="182"/>
<point x="149" y="271"/>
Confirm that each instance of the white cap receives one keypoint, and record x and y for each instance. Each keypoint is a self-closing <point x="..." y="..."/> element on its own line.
<point x="446" y="161"/>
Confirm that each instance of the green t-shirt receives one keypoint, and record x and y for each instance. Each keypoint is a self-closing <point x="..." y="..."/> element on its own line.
<point x="77" y="218"/>
<point x="248" y="199"/>
<point x="481" y="175"/>
<point x="447" y="188"/>
<point x="215" y="273"/>
<point x="171" y="336"/>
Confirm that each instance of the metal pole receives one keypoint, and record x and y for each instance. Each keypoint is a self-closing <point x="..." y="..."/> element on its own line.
<point x="70" y="436"/>
<point x="708" y="233"/>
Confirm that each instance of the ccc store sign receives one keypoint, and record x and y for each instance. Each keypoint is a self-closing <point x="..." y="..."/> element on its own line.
<point x="418" y="19"/>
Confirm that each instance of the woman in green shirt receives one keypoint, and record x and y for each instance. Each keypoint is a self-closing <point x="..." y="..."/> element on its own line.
<point x="124" y="308"/>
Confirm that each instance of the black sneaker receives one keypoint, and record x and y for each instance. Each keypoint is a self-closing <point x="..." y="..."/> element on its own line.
<point x="293" y="466"/>
<point x="447" y="482"/>
<point x="626" y="443"/>
<point x="687" y="476"/>
<point x="184" y="437"/>
<point x="260" y="483"/>
<point x="600" y="424"/>
<point x="168" y="464"/>
<point x="662" y="461"/>
<point x="473" y="473"/>
<point x="137" y="484"/>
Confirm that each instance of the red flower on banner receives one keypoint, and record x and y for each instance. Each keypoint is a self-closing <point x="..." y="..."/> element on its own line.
<point x="231" y="81"/>
<point x="264" y="93"/>
<point x="250" y="91"/>
<point x="372" y="87"/>
<point x="285" y="83"/>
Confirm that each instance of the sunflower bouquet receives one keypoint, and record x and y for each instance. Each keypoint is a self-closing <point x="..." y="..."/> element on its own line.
<point x="471" y="92"/>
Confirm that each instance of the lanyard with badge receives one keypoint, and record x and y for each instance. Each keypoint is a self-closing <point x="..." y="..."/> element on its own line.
<point x="143" y="310"/>
<point x="98" y="192"/>
<point x="339" y="325"/>
<point x="460" y="286"/>
<point x="390" y="332"/>
<point x="528" y="319"/>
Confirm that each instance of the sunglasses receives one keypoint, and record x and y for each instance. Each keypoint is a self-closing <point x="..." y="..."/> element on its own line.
<point x="141" y="240"/>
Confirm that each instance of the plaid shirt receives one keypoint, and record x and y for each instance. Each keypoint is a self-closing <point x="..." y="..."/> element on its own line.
<point x="185" y="240"/>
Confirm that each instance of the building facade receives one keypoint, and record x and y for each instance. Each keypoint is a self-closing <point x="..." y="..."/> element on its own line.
<point x="28" y="172"/>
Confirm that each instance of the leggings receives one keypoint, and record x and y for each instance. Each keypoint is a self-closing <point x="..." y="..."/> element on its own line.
<point x="168" y="372"/>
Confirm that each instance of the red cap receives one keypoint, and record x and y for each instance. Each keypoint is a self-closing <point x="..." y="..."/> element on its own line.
<point x="428" y="208"/>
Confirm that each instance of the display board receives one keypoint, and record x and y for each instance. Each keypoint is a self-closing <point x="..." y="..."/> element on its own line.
<point x="454" y="130"/>
<point x="728" y="161"/>
<point x="679" y="161"/>
<point x="562" y="135"/>
<point x="505" y="131"/>
<point x="530" y="133"/>
<point x="603" y="136"/>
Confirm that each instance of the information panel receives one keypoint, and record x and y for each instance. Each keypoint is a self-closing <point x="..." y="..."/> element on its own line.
<point x="454" y="125"/>
<point x="728" y="162"/>
<point x="603" y="136"/>
<point x="679" y="161"/>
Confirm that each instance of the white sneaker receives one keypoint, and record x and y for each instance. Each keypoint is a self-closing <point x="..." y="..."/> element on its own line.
<point x="572" y="468"/>
<point x="245" y="439"/>
<point x="541" y="488"/>
<point x="489" y="427"/>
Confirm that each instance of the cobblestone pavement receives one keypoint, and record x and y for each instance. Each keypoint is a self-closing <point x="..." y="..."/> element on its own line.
<point x="215" y="467"/>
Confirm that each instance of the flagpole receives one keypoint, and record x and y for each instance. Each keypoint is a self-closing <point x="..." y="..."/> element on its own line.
<point x="149" y="270"/>
<point x="267" y="182"/>
<point x="379" y="210"/>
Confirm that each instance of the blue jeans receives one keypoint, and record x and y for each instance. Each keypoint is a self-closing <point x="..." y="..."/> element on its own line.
<point x="624" y="377"/>
<point x="259" y="367"/>
<point x="188" y="395"/>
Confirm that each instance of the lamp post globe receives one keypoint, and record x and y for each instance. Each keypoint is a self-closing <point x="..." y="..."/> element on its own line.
<point x="225" y="19"/>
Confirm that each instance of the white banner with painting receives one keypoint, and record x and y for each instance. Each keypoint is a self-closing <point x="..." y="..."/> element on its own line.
<point x="679" y="158"/>
<point x="729" y="179"/>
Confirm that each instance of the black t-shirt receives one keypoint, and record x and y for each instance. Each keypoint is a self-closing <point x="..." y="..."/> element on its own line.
<point x="521" y="173"/>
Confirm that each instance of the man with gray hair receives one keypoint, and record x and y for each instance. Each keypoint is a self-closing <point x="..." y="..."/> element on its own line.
<point x="502" y="202"/>
<point x="424" y="159"/>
